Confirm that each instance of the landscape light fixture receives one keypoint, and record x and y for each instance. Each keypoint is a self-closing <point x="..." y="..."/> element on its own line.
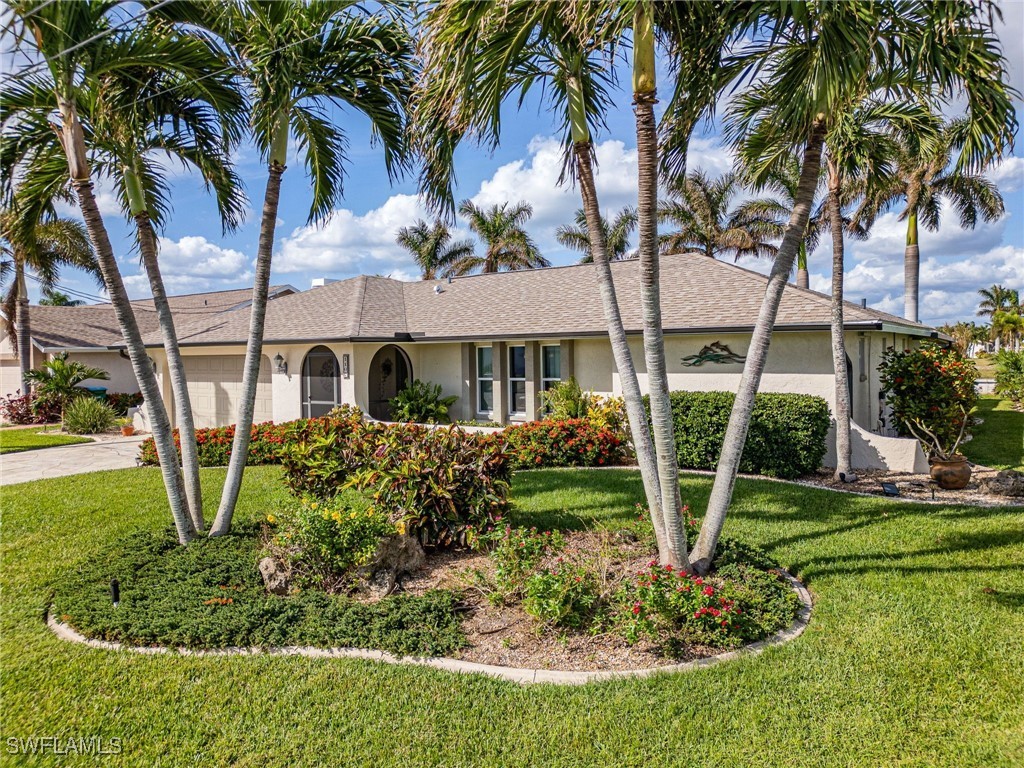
<point x="115" y="592"/>
<point x="280" y="364"/>
<point x="890" y="489"/>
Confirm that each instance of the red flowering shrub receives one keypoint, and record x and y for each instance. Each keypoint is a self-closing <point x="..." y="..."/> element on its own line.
<point x="28" y="409"/>
<point x="267" y="443"/>
<point x="931" y="391"/>
<point x="566" y="443"/>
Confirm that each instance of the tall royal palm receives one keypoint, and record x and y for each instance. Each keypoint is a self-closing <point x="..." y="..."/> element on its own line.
<point x="820" y="55"/>
<point x="41" y="244"/>
<point x="432" y="249"/>
<point x="699" y="208"/>
<point x="79" y="44"/>
<point x="299" y="61"/>
<point x="576" y="236"/>
<point x="1002" y="306"/>
<point x="507" y="244"/>
<point x="476" y="56"/>
<point x="925" y="176"/>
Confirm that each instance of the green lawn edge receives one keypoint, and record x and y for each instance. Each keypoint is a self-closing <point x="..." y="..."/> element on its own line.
<point x="997" y="442"/>
<point x="912" y="656"/>
<point x="18" y="440"/>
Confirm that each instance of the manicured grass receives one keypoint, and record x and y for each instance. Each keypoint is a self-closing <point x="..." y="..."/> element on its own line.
<point x="30" y="439"/>
<point x="986" y="366"/>
<point x="913" y="656"/>
<point x="999" y="441"/>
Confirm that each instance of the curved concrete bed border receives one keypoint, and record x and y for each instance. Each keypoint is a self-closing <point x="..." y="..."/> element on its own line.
<point x="513" y="674"/>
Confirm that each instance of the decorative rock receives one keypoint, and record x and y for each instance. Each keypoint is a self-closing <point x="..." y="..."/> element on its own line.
<point x="1009" y="482"/>
<point x="276" y="577"/>
<point x="396" y="556"/>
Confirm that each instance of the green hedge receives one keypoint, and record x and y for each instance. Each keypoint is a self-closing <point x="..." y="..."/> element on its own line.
<point x="786" y="437"/>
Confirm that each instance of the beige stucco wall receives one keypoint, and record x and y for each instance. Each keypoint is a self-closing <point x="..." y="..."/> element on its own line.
<point x="122" y="377"/>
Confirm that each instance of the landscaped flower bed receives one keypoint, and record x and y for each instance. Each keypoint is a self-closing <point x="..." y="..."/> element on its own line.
<point x="518" y="597"/>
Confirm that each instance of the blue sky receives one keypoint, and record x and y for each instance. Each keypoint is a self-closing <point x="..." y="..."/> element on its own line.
<point x="359" y="238"/>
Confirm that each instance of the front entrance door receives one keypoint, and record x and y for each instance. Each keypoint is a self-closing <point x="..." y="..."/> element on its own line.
<point x="390" y="373"/>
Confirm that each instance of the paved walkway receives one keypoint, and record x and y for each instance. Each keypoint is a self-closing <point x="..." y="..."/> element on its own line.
<point x="68" y="460"/>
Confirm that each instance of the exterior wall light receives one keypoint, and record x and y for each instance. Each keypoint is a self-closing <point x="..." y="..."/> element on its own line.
<point x="345" y="365"/>
<point x="279" y="363"/>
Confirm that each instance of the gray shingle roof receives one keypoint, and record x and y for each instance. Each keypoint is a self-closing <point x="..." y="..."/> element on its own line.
<point x="96" y="326"/>
<point x="697" y="293"/>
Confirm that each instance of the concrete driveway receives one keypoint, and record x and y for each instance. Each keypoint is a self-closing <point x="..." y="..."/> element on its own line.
<point x="69" y="460"/>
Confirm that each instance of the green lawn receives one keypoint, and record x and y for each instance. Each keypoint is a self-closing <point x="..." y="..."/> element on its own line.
<point x="999" y="441"/>
<point x="914" y="655"/>
<point x="15" y="440"/>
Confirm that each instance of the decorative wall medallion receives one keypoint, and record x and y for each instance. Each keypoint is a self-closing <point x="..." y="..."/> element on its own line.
<point x="716" y="352"/>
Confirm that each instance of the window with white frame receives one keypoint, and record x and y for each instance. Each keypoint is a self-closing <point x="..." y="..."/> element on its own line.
<point x="550" y="366"/>
<point x="484" y="380"/>
<point x="517" y="380"/>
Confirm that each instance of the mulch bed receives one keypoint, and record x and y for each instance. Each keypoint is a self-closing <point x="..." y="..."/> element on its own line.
<point x="915" y="487"/>
<point x="505" y="635"/>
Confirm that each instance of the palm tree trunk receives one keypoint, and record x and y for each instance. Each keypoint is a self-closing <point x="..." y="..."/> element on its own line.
<point x="842" y="391"/>
<point x="644" y="98"/>
<point x="141" y="365"/>
<point x="253" y="352"/>
<point x="911" y="270"/>
<point x="802" y="276"/>
<point x="638" y="425"/>
<point x="757" y="355"/>
<point x="179" y="384"/>
<point x="22" y="326"/>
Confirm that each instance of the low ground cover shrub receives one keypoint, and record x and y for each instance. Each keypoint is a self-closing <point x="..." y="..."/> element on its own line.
<point x="210" y="595"/>
<point x="931" y="390"/>
<point x="88" y="416"/>
<point x="564" y="443"/>
<point x="421" y="402"/>
<point x="1010" y="375"/>
<point x="786" y="436"/>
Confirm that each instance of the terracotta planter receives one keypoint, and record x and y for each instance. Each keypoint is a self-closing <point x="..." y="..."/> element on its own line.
<point x="127" y="431"/>
<point x="950" y="474"/>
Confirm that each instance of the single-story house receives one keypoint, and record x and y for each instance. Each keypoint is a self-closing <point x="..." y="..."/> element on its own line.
<point x="497" y="340"/>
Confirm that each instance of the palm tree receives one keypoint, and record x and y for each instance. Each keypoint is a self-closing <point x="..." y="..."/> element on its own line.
<point x="476" y="55"/>
<point x="768" y="216"/>
<point x="59" y="299"/>
<point x="1007" y="328"/>
<point x="432" y="249"/>
<point x="59" y="380"/>
<point x="820" y="56"/>
<point x="926" y="176"/>
<point x="616" y="235"/>
<point x="80" y="44"/>
<point x="507" y="245"/>
<point x="135" y="118"/>
<point x="699" y="207"/>
<point x="42" y="246"/>
<point x="298" y="61"/>
<point x="998" y="301"/>
<point x="964" y="334"/>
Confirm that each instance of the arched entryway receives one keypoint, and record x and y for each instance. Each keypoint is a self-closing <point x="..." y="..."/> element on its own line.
<point x="390" y="372"/>
<point x="321" y="383"/>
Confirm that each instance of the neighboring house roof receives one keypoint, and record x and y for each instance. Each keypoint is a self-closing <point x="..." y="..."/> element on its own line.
<point x="697" y="294"/>
<point x="95" y="325"/>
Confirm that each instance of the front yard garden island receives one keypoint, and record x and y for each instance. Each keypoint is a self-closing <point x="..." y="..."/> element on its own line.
<point x="406" y="538"/>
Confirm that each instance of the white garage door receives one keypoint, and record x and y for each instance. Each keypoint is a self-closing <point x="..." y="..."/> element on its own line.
<point x="215" y="385"/>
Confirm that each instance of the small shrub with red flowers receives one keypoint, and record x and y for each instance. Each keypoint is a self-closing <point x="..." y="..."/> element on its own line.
<point x="28" y="409"/>
<point x="565" y="443"/>
<point x="931" y="391"/>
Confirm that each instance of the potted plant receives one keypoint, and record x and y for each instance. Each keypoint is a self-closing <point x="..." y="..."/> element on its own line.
<point x="127" y="427"/>
<point x="948" y="468"/>
<point x="931" y="391"/>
